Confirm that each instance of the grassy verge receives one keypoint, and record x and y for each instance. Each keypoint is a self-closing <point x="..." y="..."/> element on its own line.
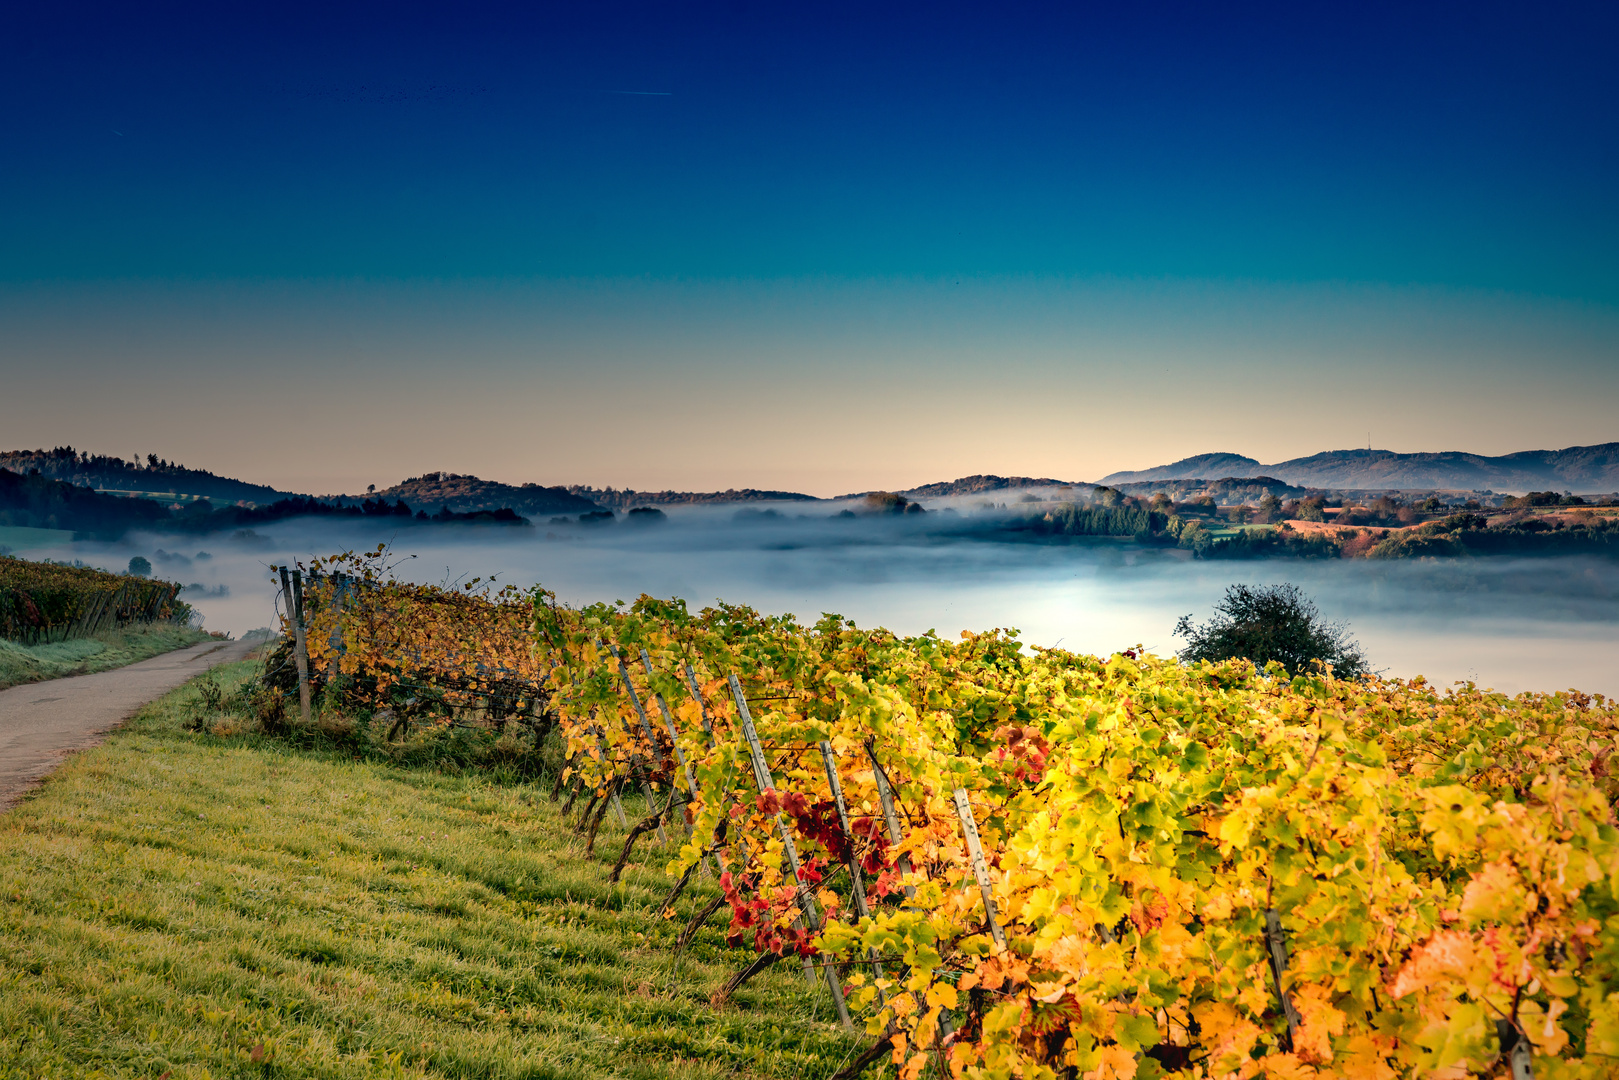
<point x="200" y="904"/>
<point x="79" y="656"/>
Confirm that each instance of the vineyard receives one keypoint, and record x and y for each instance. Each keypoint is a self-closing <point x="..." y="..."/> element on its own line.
<point x="45" y="602"/>
<point x="1012" y="862"/>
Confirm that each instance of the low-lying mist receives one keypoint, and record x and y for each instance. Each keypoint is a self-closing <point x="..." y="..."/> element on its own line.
<point x="1513" y="624"/>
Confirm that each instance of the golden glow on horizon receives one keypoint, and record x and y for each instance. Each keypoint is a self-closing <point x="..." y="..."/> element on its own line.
<point x="817" y="386"/>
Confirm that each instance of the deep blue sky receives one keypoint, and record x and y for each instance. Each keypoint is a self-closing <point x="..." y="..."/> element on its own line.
<point x="1470" y="145"/>
<point x="850" y="247"/>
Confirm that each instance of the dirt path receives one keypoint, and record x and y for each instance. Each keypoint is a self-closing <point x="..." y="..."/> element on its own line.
<point x="43" y="722"/>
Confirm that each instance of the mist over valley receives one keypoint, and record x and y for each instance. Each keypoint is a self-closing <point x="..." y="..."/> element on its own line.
<point x="1092" y="567"/>
<point x="1507" y="622"/>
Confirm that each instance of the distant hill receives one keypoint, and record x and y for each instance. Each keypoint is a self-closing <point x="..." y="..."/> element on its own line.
<point x="1190" y="469"/>
<point x="978" y="484"/>
<point x="984" y="482"/>
<point x="470" y="493"/>
<point x="35" y="501"/>
<point x="155" y="476"/>
<point x="624" y="498"/>
<point x="467" y="494"/>
<point x="461" y="492"/>
<point x="1577" y="468"/>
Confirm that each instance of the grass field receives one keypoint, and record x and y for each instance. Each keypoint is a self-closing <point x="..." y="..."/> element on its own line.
<point x="23" y="538"/>
<point x="78" y="656"/>
<point x="196" y="904"/>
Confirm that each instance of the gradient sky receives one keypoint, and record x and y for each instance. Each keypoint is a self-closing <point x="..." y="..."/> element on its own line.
<point x="829" y="249"/>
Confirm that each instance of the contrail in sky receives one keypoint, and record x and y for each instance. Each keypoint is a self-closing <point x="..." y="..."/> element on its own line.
<point x="642" y="93"/>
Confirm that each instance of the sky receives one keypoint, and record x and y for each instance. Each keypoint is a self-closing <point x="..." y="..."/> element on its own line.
<point x="826" y="249"/>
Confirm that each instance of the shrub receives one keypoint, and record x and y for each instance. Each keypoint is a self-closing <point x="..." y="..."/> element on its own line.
<point x="1195" y="538"/>
<point x="1269" y="543"/>
<point x="1417" y="545"/>
<point x="1355" y="543"/>
<point x="1274" y="622"/>
<point x="1311" y="509"/>
<point x="1534" y="498"/>
<point x="886" y="502"/>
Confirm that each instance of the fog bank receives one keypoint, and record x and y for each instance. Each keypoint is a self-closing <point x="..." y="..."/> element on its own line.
<point x="1512" y="624"/>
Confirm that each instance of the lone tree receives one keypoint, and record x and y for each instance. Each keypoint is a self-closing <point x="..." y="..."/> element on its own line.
<point x="1272" y="622"/>
<point x="139" y="567"/>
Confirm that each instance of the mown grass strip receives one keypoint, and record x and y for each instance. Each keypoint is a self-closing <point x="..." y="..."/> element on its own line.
<point x="80" y="656"/>
<point x="178" y="902"/>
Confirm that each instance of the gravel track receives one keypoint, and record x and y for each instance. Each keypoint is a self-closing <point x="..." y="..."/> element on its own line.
<point x="43" y="722"/>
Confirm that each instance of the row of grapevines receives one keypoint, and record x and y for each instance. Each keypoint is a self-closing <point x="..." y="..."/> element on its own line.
<point x="51" y="602"/>
<point x="1199" y="870"/>
<point x="361" y="621"/>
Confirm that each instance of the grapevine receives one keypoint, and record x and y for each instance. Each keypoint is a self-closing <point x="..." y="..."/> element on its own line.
<point x="1202" y="870"/>
<point x="42" y="602"/>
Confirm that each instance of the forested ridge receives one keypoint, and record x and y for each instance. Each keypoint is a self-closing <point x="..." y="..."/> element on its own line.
<point x="83" y="469"/>
<point x="1541" y="523"/>
<point x="36" y="501"/>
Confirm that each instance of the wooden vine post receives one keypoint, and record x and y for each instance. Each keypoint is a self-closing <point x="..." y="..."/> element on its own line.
<point x="618" y="804"/>
<point x="669" y="726"/>
<point x="340" y="588"/>
<point x="293" y="593"/>
<point x="835" y="785"/>
<point x="646" y="730"/>
<point x="1276" y="944"/>
<point x="975" y="851"/>
<point x="857" y="885"/>
<point x="674" y="740"/>
<point x="301" y="643"/>
<point x="890" y="817"/>
<point x="1516" y="1049"/>
<point x="808" y="915"/>
<point x="697" y="696"/>
<point x="708" y="730"/>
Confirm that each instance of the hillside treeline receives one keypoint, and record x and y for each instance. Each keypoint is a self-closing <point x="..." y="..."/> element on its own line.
<point x="1073" y="519"/>
<point x="36" y="501"/>
<point x="84" y="469"/>
<point x="1191" y="527"/>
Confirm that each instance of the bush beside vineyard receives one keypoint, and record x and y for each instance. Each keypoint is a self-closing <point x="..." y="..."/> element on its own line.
<point x="41" y="602"/>
<point x="1198" y="870"/>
